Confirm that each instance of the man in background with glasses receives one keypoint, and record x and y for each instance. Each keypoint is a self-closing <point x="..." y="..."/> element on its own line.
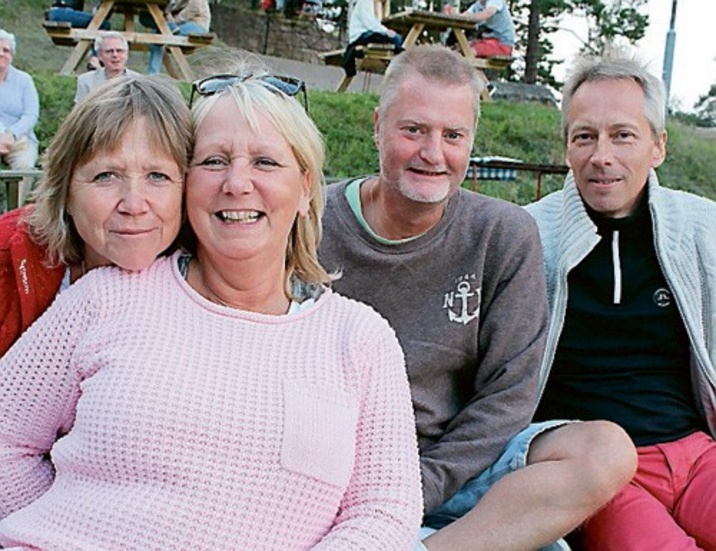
<point x="112" y="50"/>
<point x="460" y="278"/>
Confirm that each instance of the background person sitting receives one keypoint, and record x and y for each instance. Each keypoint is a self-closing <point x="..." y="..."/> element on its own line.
<point x="495" y="27"/>
<point x="89" y="206"/>
<point x="112" y="50"/>
<point x="19" y="110"/>
<point x="184" y="17"/>
<point x="364" y="27"/>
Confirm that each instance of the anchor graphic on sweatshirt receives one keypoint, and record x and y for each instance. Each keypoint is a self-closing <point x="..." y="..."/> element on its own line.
<point x="463" y="294"/>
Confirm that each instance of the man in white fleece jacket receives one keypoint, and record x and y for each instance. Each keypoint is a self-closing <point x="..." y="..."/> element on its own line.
<point x="631" y="277"/>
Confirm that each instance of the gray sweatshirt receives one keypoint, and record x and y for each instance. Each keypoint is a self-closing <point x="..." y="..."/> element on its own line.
<point x="468" y="303"/>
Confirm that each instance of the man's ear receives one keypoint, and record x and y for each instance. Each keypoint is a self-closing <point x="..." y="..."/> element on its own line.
<point x="659" y="153"/>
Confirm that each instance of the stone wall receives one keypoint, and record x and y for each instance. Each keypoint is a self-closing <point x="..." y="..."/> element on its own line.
<point x="523" y="93"/>
<point x="270" y="33"/>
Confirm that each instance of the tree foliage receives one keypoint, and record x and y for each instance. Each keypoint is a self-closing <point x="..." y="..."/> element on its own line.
<point x="538" y="20"/>
<point x="706" y="106"/>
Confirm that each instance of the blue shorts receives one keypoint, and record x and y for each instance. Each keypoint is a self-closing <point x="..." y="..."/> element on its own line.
<point x="513" y="457"/>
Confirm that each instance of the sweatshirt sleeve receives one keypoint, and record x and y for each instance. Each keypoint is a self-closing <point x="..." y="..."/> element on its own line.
<point x="382" y="506"/>
<point x="39" y="389"/>
<point x="514" y="322"/>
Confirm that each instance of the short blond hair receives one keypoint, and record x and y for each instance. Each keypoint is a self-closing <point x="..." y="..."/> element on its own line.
<point x="253" y="96"/>
<point x="97" y="125"/>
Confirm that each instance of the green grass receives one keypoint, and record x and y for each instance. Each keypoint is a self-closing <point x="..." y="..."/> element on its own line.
<point x="524" y="131"/>
<point x="529" y="132"/>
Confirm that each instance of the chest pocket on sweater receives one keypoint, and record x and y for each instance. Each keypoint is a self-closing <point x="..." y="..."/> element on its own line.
<point x="319" y="432"/>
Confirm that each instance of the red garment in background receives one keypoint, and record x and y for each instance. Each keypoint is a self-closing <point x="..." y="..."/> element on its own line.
<point x="490" y="47"/>
<point x="27" y="285"/>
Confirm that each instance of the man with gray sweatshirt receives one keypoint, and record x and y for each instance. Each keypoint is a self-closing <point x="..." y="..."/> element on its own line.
<point x="460" y="278"/>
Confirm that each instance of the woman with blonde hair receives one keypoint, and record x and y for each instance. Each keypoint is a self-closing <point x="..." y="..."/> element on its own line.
<point x="226" y="397"/>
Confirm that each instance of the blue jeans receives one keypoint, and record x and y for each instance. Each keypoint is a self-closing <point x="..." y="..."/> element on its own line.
<point x="156" y="51"/>
<point x="76" y="19"/>
<point x="513" y="457"/>
<point x="372" y="36"/>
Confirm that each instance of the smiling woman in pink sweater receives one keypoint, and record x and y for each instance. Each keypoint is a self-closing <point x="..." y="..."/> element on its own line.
<point x="224" y="398"/>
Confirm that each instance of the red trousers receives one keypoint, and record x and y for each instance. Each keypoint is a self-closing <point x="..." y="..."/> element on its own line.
<point x="489" y="47"/>
<point x="670" y="504"/>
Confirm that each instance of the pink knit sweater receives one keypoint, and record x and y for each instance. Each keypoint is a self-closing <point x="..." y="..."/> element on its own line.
<point x="187" y="425"/>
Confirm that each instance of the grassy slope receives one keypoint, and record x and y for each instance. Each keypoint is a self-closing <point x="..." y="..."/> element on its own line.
<point x="523" y="131"/>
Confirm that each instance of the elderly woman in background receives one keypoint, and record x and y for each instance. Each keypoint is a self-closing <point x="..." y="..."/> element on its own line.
<point x="111" y="194"/>
<point x="226" y="397"/>
<point x="19" y="110"/>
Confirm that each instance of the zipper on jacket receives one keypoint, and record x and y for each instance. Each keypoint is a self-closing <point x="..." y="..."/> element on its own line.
<point x="617" y="267"/>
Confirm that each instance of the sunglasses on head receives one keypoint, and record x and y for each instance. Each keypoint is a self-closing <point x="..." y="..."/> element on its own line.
<point x="288" y="86"/>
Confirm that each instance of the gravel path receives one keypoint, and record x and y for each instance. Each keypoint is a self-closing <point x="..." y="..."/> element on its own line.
<point x="321" y="77"/>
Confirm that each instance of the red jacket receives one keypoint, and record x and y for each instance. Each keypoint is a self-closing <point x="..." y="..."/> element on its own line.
<point x="27" y="285"/>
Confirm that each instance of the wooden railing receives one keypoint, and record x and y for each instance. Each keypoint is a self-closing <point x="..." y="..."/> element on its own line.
<point x="10" y="179"/>
<point x="505" y="169"/>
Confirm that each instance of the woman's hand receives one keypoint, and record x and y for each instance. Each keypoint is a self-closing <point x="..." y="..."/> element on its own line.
<point x="6" y="140"/>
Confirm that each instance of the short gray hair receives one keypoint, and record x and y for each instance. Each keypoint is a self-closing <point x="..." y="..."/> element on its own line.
<point x="433" y="62"/>
<point x="109" y="34"/>
<point x="9" y="38"/>
<point x="617" y="64"/>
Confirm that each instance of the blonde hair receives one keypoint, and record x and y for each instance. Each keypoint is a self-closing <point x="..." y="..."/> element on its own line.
<point x="255" y="96"/>
<point x="97" y="124"/>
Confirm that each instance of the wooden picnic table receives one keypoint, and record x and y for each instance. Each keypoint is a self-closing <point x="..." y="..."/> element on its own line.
<point x="419" y="26"/>
<point x="176" y="46"/>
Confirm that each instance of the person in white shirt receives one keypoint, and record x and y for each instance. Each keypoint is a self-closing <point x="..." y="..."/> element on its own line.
<point x="364" y="27"/>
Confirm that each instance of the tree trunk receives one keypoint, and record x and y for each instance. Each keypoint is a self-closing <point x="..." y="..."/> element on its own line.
<point x="532" y="52"/>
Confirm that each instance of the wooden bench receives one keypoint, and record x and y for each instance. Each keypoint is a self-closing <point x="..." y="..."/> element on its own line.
<point x="370" y="58"/>
<point x="63" y="34"/>
<point x="497" y="63"/>
<point x="60" y="32"/>
<point x="11" y="181"/>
